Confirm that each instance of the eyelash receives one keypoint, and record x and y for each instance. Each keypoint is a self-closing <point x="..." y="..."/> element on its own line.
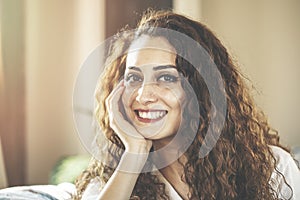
<point x="168" y="76"/>
<point x="135" y="78"/>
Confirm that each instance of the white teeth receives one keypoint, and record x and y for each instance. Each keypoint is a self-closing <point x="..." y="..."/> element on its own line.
<point x="152" y="114"/>
<point x="148" y="115"/>
<point x="143" y="114"/>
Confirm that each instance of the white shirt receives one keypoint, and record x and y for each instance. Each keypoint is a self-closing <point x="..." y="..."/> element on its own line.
<point x="285" y="164"/>
<point x="62" y="191"/>
<point x="288" y="167"/>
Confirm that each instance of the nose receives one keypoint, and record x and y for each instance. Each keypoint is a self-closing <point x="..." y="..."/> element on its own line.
<point x="146" y="94"/>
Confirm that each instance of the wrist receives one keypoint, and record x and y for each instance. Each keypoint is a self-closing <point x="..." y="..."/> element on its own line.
<point x="132" y="162"/>
<point x="141" y="147"/>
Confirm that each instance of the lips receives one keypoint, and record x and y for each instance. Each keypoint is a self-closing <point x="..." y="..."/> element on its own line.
<point x="148" y="116"/>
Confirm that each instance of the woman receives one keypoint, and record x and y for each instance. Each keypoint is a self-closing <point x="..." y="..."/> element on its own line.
<point x="157" y="92"/>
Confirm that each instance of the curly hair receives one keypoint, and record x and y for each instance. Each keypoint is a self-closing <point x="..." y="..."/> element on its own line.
<point x="240" y="164"/>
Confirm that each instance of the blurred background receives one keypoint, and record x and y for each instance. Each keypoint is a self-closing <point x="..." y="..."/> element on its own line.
<point x="44" y="43"/>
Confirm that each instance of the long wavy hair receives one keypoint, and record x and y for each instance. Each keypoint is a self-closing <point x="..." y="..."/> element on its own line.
<point x="240" y="164"/>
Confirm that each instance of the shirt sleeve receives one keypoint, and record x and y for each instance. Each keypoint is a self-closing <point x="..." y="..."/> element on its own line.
<point x="287" y="166"/>
<point x="93" y="190"/>
<point x="63" y="191"/>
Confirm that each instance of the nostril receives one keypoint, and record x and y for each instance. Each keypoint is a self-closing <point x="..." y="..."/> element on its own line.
<point x="146" y="94"/>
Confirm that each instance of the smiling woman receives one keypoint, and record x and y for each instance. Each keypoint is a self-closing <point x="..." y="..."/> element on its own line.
<point x="153" y="94"/>
<point x="181" y="122"/>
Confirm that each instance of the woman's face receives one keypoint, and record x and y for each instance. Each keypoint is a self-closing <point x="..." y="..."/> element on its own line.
<point x="153" y="97"/>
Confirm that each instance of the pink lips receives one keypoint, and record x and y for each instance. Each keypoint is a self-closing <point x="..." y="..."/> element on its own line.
<point x="150" y="116"/>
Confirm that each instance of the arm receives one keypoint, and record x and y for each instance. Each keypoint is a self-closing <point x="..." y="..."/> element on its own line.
<point x="122" y="182"/>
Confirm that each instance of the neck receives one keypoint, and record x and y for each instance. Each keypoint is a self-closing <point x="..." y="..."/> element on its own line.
<point x="174" y="174"/>
<point x="170" y="154"/>
<point x="174" y="170"/>
<point x="158" y="144"/>
<point x="167" y="152"/>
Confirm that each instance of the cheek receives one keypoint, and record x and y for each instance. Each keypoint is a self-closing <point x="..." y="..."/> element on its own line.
<point x="174" y="97"/>
<point x="128" y="96"/>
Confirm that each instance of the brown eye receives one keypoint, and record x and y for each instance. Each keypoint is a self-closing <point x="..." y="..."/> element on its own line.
<point x="167" y="78"/>
<point x="133" y="78"/>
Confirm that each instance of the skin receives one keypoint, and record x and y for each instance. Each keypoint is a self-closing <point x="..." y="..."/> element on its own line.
<point x="153" y="94"/>
<point x="150" y="99"/>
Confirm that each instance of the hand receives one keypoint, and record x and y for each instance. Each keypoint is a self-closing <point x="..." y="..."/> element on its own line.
<point x="132" y="140"/>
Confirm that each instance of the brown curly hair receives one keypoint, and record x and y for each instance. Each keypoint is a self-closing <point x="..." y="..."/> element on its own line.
<point x="241" y="163"/>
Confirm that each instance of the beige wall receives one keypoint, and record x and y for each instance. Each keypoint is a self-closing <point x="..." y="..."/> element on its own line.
<point x="263" y="36"/>
<point x="3" y="180"/>
<point x="190" y="8"/>
<point x="59" y="35"/>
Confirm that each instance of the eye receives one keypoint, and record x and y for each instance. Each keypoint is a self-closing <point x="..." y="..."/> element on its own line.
<point x="132" y="78"/>
<point x="167" y="78"/>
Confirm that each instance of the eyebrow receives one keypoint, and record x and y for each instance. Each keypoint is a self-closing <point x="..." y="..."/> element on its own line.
<point x="160" y="67"/>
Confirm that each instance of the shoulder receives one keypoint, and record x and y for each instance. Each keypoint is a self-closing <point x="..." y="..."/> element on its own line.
<point x="285" y="167"/>
<point x="281" y="156"/>
<point x="284" y="160"/>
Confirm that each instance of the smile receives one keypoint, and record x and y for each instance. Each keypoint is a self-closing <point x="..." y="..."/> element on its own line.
<point x="150" y="115"/>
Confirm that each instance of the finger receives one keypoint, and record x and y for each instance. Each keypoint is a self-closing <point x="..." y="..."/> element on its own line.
<point x="117" y="117"/>
<point x="108" y="102"/>
<point x="119" y="85"/>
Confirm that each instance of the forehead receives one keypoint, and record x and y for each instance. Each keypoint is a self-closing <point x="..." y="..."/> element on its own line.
<point x="148" y="50"/>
